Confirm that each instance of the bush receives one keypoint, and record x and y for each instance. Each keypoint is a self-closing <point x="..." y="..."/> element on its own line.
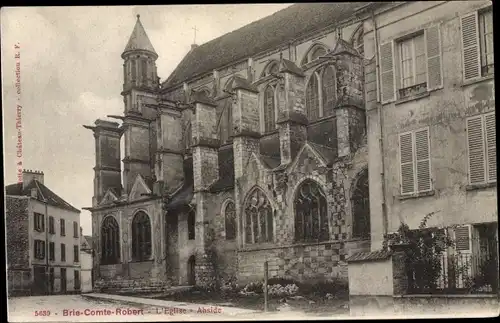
<point x="229" y="285"/>
<point x="281" y="281"/>
<point x="253" y="288"/>
<point x="282" y="291"/>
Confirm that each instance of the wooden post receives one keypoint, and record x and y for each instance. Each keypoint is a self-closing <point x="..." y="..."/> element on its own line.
<point x="265" y="285"/>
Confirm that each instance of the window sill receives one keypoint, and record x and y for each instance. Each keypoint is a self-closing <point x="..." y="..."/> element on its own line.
<point x="322" y="119"/>
<point x="416" y="195"/>
<point x="270" y="133"/>
<point x="478" y="80"/>
<point x="413" y="97"/>
<point x="474" y="187"/>
<point x="270" y="246"/>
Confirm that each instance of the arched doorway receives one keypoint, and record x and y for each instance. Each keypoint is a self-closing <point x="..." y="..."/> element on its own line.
<point x="191" y="271"/>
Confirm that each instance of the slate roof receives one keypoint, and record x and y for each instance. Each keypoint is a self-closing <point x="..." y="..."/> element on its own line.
<point x="139" y="40"/>
<point x="369" y="256"/>
<point x="43" y="192"/>
<point x="267" y="33"/>
<point x="226" y="171"/>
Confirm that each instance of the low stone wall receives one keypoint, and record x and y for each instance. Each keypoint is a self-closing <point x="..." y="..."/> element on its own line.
<point x="131" y="285"/>
<point x="424" y="306"/>
<point x="299" y="262"/>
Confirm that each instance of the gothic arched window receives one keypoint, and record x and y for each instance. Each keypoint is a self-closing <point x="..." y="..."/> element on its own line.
<point x="259" y="222"/>
<point x="311" y="222"/>
<point x="269" y="109"/>
<point x="329" y="91"/>
<point x="230" y="221"/>
<point x="141" y="236"/>
<point x="317" y="53"/>
<point x="358" y="42"/>
<point x="110" y="241"/>
<point x="361" y="207"/>
<point x="312" y="98"/>
<point x="225" y="120"/>
<point x="191" y="222"/>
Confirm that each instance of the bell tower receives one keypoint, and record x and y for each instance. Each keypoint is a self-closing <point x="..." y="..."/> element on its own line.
<point x="140" y="87"/>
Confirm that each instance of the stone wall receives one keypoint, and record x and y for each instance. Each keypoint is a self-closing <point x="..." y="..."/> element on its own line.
<point x="17" y="225"/>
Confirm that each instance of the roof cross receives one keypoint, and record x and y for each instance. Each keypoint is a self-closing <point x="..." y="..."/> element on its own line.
<point x="195" y="30"/>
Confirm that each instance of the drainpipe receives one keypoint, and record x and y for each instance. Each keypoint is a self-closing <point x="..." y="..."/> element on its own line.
<point x="381" y="124"/>
<point x="47" y="249"/>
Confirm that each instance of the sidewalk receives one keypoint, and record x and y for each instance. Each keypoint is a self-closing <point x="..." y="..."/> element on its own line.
<point x="175" y="306"/>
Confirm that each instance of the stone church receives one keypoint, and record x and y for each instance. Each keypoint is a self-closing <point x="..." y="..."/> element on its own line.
<point x="252" y="150"/>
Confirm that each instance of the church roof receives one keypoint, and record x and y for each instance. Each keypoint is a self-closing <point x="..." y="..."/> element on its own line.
<point x="43" y="192"/>
<point x="139" y="40"/>
<point x="267" y="33"/>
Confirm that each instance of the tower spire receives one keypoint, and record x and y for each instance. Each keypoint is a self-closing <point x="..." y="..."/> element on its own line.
<point x="139" y="40"/>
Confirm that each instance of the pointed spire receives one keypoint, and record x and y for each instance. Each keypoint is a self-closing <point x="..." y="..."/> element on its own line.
<point x="139" y="40"/>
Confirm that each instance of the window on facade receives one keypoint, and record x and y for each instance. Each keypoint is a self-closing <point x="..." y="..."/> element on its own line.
<point x="415" y="162"/>
<point x="361" y="207"/>
<point x="321" y="100"/>
<point x="110" y="241"/>
<point x="63" y="252"/>
<point x="482" y="151"/>
<point x="77" y="279"/>
<point x="412" y="65"/>
<point x="76" y="254"/>
<point x="359" y="42"/>
<point x="144" y="70"/>
<point x="328" y="91"/>
<point x="486" y="39"/>
<point x="52" y="228"/>
<point x="39" y="222"/>
<point x="225" y="122"/>
<point x="312" y="98"/>
<point x="230" y="221"/>
<point x="63" y="227"/>
<point x="141" y="236"/>
<point x="269" y="109"/>
<point x="52" y="251"/>
<point x="191" y="222"/>
<point x="311" y="222"/>
<point x="413" y="68"/>
<point x="259" y="221"/>
<point x="75" y="229"/>
<point x="134" y="70"/>
<point x="477" y="41"/>
<point x="39" y="249"/>
<point x="317" y="53"/>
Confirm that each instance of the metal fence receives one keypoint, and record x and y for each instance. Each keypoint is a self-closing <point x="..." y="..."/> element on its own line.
<point x="457" y="273"/>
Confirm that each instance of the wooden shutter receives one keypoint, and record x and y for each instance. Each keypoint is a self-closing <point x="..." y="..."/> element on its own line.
<point x="433" y="52"/>
<point x="491" y="146"/>
<point x="423" y="161"/>
<point x="470" y="46"/>
<point x="407" y="165"/>
<point x="463" y="238"/>
<point x="387" y="72"/>
<point x="475" y="146"/>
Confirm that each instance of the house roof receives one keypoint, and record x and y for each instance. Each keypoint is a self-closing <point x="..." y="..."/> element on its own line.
<point x="267" y="33"/>
<point x="139" y="40"/>
<point x="369" y="256"/>
<point x="88" y="240"/>
<point x="43" y="192"/>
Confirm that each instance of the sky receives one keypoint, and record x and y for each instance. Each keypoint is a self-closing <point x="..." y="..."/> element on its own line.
<point x="71" y="74"/>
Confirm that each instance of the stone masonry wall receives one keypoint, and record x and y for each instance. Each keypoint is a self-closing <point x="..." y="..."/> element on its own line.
<point x="17" y="225"/>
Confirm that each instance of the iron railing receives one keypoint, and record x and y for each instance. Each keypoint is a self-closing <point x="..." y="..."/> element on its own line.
<point x="452" y="274"/>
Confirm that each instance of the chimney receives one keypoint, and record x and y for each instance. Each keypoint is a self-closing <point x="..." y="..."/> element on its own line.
<point x="29" y="175"/>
